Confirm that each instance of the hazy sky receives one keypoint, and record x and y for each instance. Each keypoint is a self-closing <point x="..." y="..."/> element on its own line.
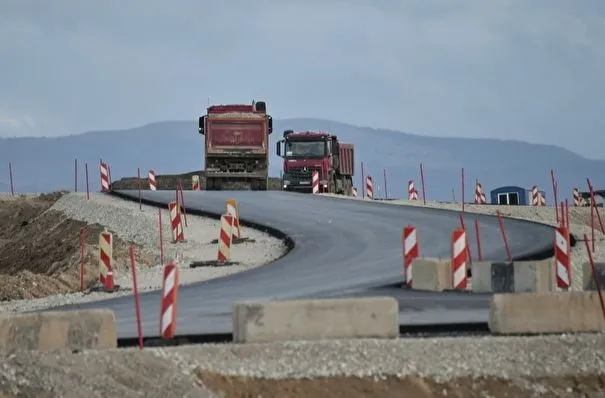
<point x="531" y="70"/>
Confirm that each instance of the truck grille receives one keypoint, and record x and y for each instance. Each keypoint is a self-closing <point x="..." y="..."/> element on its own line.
<point x="299" y="174"/>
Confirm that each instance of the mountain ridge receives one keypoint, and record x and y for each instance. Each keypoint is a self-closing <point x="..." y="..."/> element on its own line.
<point x="174" y="146"/>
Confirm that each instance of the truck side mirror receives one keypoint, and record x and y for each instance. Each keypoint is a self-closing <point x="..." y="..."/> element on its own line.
<point x="270" y="127"/>
<point x="278" y="148"/>
<point x="200" y="124"/>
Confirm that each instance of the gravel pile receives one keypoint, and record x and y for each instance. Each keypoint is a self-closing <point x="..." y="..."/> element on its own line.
<point x="443" y="359"/>
<point x="141" y="227"/>
<point x="579" y="224"/>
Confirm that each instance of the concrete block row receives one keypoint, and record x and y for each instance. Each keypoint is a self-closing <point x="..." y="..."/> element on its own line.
<point x="266" y="321"/>
<point x="499" y="277"/>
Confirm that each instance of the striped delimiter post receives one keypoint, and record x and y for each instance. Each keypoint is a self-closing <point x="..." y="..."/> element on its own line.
<point x="315" y="182"/>
<point x="233" y="210"/>
<point x="459" y="251"/>
<point x="412" y="192"/>
<point x="152" y="184"/>
<point x="411" y="251"/>
<point x="104" y="177"/>
<point x="170" y="286"/>
<point x="562" y="257"/>
<point x="369" y="188"/>
<point x="225" y="239"/>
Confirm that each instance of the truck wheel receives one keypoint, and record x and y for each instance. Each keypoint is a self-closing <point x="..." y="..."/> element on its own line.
<point x="254" y="185"/>
<point x="350" y="186"/>
<point x="210" y="184"/>
<point x="262" y="185"/>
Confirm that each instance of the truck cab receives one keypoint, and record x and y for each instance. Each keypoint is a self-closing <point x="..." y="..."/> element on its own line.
<point x="305" y="152"/>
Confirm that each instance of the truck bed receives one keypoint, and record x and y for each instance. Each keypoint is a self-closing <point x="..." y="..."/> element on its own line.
<point x="347" y="159"/>
<point x="227" y="135"/>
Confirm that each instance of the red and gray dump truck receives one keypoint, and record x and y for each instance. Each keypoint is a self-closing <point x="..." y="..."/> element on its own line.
<point x="304" y="152"/>
<point x="236" y="143"/>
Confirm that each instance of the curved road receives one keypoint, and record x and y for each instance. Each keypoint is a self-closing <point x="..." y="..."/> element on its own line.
<point x="342" y="248"/>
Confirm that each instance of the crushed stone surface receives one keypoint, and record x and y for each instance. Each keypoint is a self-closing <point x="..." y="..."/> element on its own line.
<point x="526" y="361"/>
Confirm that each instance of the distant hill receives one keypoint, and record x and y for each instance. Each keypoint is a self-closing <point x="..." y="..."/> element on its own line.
<point x="46" y="164"/>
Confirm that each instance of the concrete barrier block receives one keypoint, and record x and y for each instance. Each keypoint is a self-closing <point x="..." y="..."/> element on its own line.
<point x="588" y="282"/>
<point x="431" y="274"/>
<point x="495" y="277"/>
<point x="508" y="277"/>
<point x="551" y="312"/>
<point x="45" y="331"/>
<point x="368" y="317"/>
<point x="535" y="276"/>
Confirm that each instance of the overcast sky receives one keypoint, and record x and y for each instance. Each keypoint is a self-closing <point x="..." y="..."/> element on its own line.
<point x="530" y="70"/>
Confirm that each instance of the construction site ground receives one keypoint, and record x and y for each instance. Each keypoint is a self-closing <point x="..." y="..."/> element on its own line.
<point x="40" y="256"/>
<point x="463" y="367"/>
<point x="40" y="249"/>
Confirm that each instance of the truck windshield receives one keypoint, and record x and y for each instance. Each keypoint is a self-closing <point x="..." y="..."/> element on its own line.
<point x="305" y="148"/>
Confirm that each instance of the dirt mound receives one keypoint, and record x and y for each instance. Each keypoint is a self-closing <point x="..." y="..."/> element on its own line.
<point x="408" y="387"/>
<point x="40" y="249"/>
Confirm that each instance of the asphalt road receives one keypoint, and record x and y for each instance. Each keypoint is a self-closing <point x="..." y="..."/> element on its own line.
<point x="342" y="248"/>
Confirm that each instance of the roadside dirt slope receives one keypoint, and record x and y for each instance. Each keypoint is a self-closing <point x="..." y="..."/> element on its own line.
<point x="40" y="249"/>
<point x="407" y="387"/>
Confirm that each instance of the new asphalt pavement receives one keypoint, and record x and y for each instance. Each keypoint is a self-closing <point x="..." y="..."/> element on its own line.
<point x="341" y="248"/>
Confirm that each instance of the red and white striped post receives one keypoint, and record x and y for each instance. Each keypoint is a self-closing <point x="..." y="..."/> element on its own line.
<point x="479" y="195"/>
<point x="170" y="286"/>
<point x="369" y="188"/>
<point x="175" y="222"/>
<point x="562" y="257"/>
<point x="225" y="239"/>
<point x="412" y="192"/>
<point x="152" y="183"/>
<point x="195" y="183"/>
<point x="315" y="181"/>
<point x="105" y="260"/>
<point x="233" y="211"/>
<point x="104" y="177"/>
<point x="411" y="251"/>
<point x="577" y="200"/>
<point x="459" y="260"/>
<point x="537" y="199"/>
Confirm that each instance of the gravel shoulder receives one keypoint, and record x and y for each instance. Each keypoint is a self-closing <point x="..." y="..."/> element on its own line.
<point x="579" y="221"/>
<point x="544" y="366"/>
<point x="139" y="228"/>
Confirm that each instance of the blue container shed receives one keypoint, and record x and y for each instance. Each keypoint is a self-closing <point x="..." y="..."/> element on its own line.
<point x="510" y="195"/>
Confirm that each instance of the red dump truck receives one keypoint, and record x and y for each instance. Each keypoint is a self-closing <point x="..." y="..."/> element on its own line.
<point x="304" y="152"/>
<point x="236" y="143"/>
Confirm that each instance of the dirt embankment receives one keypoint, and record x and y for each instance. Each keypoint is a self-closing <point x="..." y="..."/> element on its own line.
<point x="169" y="182"/>
<point x="406" y="387"/>
<point x="40" y="249"/>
